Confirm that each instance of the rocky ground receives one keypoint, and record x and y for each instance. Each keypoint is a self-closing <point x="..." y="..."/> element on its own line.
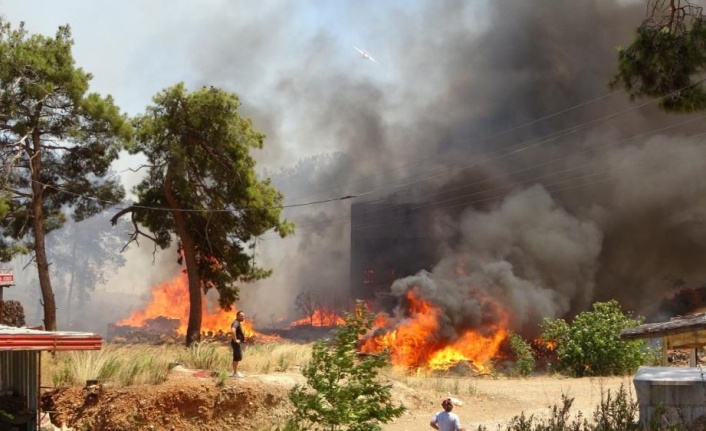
<point x="195" y="400"/>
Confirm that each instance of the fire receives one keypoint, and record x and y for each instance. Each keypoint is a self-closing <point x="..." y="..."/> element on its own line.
<point x="321" y="317"/>
<point x="416" y="342"/>
<point x="172" y="300"/>
<point x="543" y="349"/>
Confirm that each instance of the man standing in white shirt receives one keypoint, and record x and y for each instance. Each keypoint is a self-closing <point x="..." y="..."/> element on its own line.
<point x="445" y="420"/>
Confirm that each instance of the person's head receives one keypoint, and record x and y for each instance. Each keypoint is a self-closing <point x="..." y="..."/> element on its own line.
<point x="447" y="404"/>
<point x="240" y="316"/>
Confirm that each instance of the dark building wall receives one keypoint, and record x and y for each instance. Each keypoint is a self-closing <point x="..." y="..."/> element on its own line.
<point x="388" y="241"/>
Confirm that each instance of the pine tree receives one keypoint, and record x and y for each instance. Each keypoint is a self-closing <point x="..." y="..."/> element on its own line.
<point x="343" y="392"/>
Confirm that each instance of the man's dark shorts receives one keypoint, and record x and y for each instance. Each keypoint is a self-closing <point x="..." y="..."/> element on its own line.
<point x="237" y="352"/>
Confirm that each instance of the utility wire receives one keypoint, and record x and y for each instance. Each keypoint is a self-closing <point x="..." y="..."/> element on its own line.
<point x="527" y="144"/>
<point x="475" y="140"/>
<point x="346" y="219"/>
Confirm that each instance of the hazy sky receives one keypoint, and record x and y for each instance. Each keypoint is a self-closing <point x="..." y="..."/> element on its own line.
<point x="135" y="49"/>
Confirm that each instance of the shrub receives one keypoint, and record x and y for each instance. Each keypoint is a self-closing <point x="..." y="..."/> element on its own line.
<point x="524" y="359"/>
<point x="591" y="345"/>
<point x="615" y="413"/>
<point x="343" y="391"/>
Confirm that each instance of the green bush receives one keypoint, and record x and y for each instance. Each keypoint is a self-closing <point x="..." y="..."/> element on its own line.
<point x="524" y="359"/>
<point x="591" y="345"/>
<point x="343" y="392"/>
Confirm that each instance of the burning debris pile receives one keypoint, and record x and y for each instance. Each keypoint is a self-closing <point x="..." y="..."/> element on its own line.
<point x="321" y="317"/>
<point x="543" y="351"/>
<point x="164" y="320"/>
<point x="157" y="330"/>
<point x="420" y="336"/>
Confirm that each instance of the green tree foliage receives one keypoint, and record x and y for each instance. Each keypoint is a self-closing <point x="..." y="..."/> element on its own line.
<point x="202" y="187"/>
<point x="591" y="344"/>
<point x="57" y="142"/>
<point x="524" y="359"/>
<point x="667" y="58"/>
<point x="343" y="392"/>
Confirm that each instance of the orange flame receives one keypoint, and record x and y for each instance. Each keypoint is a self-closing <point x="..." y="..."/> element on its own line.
<point x="172" y="300"/>
<point x="416" y="342"/>
<point x="321" y="317"/>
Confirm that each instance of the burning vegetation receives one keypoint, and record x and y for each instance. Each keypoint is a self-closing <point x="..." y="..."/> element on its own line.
<point x="321" y="317"/>
<point x="165" y="318"/>
<point x="417" y="337"/>
<point x="419" y="334"/>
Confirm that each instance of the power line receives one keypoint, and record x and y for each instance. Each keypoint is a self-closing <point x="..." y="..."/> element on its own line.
<point x="519" y="148"/>
<point x="478" y="140"/>
<point x="553" y="136"/>
<point x="346" y="219"/>
<point x="187" y="210"/>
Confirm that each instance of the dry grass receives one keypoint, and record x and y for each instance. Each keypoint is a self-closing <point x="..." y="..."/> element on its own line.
<point x="430" y="381"/>
<point x="125" y="365"/>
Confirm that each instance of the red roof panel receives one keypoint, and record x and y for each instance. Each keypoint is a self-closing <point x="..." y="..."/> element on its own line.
<point x="12" y="338"/>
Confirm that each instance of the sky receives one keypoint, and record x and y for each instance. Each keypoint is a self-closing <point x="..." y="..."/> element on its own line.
<point x="551" y="190"/>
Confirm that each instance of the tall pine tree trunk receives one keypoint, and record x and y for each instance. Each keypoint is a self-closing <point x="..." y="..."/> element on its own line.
<point x="40" y="252"/>
<point x="193" y="328"/>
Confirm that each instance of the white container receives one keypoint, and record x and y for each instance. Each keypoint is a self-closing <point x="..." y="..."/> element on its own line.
<point x="680" y="392"/>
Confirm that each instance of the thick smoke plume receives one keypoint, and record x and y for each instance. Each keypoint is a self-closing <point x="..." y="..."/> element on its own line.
<point x="545" y="189"/>
<point x="595" y="202"/>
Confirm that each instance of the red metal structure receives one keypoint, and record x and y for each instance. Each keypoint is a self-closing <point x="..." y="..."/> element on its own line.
<point x="20" y="363"/>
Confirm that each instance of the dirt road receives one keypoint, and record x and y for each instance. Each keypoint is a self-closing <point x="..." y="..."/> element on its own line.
<point x="495" y="402"/>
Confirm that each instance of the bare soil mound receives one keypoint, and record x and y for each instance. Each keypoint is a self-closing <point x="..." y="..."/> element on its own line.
<point x="188" y="400"/>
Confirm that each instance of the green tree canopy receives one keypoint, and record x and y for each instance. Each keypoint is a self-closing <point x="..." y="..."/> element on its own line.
<point x="57" y="142"/>
<point x="201" y="186"/>
<point x="667" y="58"/>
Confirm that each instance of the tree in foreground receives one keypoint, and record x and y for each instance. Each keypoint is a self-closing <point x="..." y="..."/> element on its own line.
<point x="591" y="344"/>
<point x="56" y="144"/>
<point x="201" y="186"/>
<point x="667" y="58"/>
<point x="343" y="392"/>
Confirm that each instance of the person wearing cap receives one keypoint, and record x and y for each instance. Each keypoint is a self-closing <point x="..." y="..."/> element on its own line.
<point x="238" y="337"/>
<point x="445" y="420"/>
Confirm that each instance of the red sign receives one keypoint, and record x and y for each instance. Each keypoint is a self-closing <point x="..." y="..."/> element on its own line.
<point x="7" y="278"/>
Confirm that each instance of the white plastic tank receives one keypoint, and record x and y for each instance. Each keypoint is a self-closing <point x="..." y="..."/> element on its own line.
<point x="680" y="392"/>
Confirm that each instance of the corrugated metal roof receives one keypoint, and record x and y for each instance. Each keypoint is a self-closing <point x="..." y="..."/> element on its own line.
<point x="12" y="338"/>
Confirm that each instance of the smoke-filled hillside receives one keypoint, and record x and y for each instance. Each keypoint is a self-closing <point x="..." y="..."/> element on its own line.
<point x="549" y="192"/>
<point x="546" y="190"/>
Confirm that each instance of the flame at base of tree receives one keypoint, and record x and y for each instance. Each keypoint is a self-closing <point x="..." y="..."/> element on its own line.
<point x="172" y="300"/>
<point x="415" y="341"/>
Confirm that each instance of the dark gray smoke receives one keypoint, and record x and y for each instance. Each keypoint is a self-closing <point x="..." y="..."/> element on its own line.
<point x="593" y="203"/>
<point x="596" y="202"/>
